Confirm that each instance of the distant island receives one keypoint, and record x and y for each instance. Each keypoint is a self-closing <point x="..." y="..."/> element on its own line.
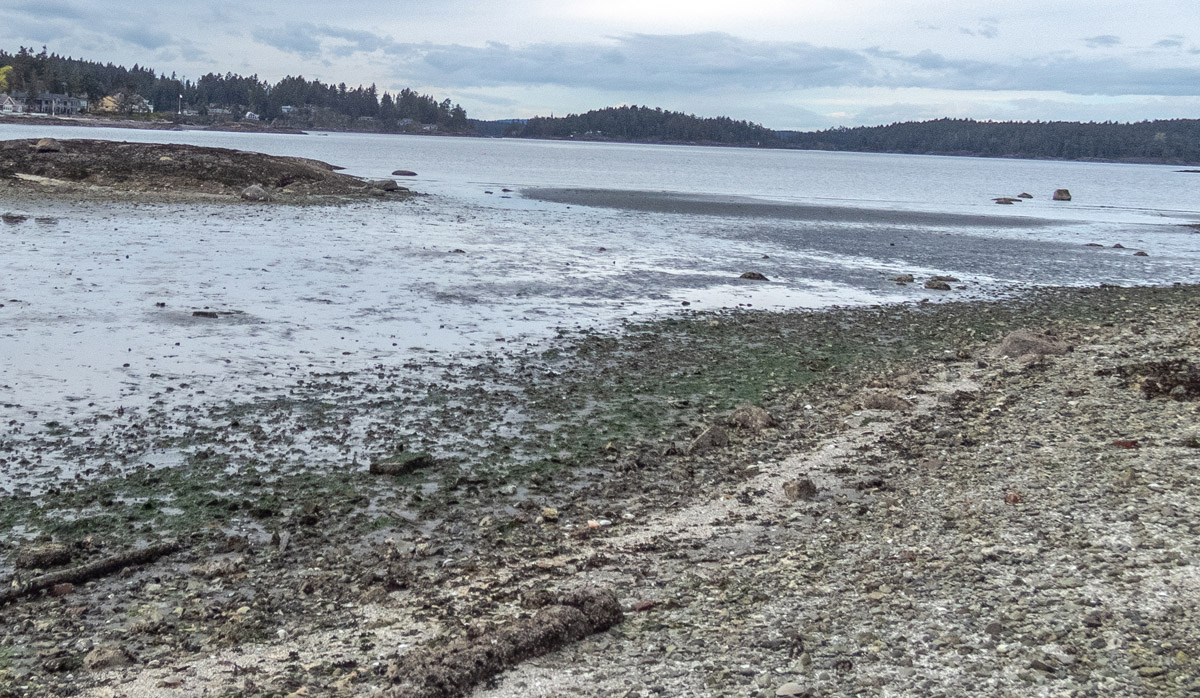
<point x="45" y="85"/>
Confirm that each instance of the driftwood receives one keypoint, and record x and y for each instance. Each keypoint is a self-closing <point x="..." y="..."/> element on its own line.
<point x="451" y="671"/>
<point x="92" y="570"/>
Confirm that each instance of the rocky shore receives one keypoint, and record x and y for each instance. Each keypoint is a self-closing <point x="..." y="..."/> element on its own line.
<point x="939" y="499"/>
<point x="99" y="170"/>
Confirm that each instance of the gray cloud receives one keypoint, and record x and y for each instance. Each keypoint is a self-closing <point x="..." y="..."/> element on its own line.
<point x="1169" y="43"/>
<point x="1102" y="41"/>
<point x="716" y="61"/>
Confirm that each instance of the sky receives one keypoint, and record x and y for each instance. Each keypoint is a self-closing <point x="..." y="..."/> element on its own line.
<point x="803" y="64"/>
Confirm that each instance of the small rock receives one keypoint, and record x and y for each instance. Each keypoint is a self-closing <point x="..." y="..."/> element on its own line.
<point x="1062" y="195"/>
<point x="754" y="276"/>
<point x="255" y="192"/>
<point x="791" y="689"/>
<point x="403" y="173"/>
<point x="800" y="488"/>
<point x="550" y="513"/>
<point x="712" y="437"/>
<point x="1006" y="200"/>
<point x="884" y="401"/>
<point x="48" y="145"/>
<point x="902" y="278"/>
<point x="1024" y="195"/>
<point x="1118" y="246"/>
<point x="1140" y="253"/>
<point x="384" y="185"/>
<point x="935" y="285"/>
<point x="751" y="418"/>
<point x="106" y="658"/>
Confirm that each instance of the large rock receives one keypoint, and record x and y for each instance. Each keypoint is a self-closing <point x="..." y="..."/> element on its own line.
<point x="1062" y="195"/>
<point x="255" y="192"/>
<point x="1022" y="342"/>
<point x="48" y="145"/>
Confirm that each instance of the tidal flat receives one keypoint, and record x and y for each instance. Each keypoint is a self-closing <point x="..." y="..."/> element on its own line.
<point x="583" y="464"/>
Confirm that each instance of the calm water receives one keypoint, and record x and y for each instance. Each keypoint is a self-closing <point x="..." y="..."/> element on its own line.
<point x="344" y="288"/>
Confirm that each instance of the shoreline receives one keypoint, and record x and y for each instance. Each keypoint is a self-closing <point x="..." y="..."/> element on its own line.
<point x="610" y="427"/>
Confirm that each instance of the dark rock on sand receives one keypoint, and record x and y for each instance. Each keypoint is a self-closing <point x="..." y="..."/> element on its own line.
<point x="403" y="173"/>
<point x="1141" y="253"/>
<point x="800" y="488"/>
<point x="384" y="184"/>
<point x="48" y="145"/>
<point x="937" y="285"/>
<point x="1062" y="195"/>
<point x="754" y="276"/>
<point x="902" y="278"/>
<point x="1024" y="195"/>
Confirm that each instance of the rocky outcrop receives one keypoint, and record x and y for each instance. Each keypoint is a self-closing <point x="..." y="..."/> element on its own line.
<point x="156" y="171"/>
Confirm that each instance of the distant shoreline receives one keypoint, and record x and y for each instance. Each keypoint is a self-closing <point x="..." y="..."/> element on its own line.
<point x="245" y="126"/>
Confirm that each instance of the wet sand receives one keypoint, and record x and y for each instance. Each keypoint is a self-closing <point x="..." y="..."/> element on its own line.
<point x="741" y="207"/>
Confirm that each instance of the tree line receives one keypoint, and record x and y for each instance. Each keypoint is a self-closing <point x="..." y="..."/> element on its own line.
<point x="1174" y="141"/>
<point x="304" y="103"/>
<point x="643" y="124"/>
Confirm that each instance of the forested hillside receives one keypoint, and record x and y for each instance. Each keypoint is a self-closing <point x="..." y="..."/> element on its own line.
<point x="1176" y="141"/>
<point x="644" y="124"/>
<point x="309" y="103"/>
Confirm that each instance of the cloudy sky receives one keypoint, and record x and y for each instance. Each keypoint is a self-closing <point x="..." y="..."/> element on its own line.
<point x="803" y="64"/>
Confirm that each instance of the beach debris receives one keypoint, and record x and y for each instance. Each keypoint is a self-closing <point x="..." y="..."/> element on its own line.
<point x="92" y="570"/>
<point x="453" y="670"/>
<point x="403" y="173"/>
<point x="255" y="192"/>
<point x="710" y="438"/>
<point x="754" y="276"/>
<point x="1062" y="195"/>
<point x="937" y="285"/>
<point x="885" y="401"/>
<point x="1023" y="342"/>
<point x="401" y="464"/>
<point x="751" y="418"/>
<point x="800" y="488"/>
